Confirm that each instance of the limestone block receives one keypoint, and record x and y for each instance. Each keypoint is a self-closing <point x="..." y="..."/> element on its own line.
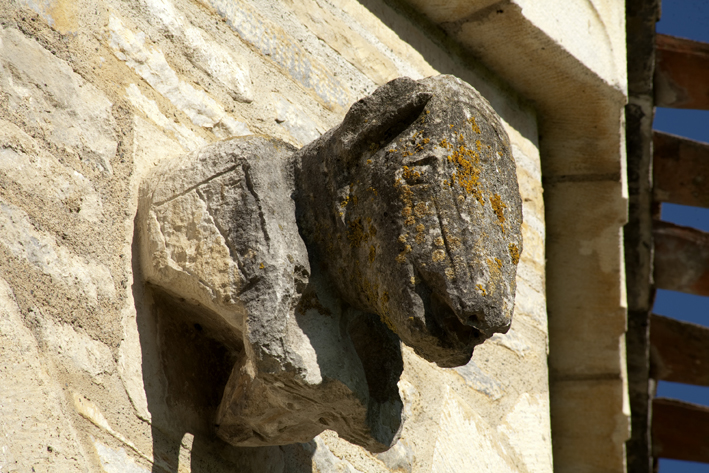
<point x="150" y="63"/>
<point x="218" y="228"/>
<point x="24" y="162"/>
<point x="35" y="432"/>
<point x="205" y="52"/>
<point x="463" y="431"/>
<point x="50" y="97"/>
<point x="343" y="39"/>
<point x="413" y="203"/>
<point x="273" y="41"/>
<point x="593" y="420"/>
<point x="90" y="279"/>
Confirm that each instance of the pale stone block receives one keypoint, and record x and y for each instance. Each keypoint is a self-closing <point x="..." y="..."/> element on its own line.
<point x="117" y="460"/>
<point x="528" y="429"/>
<point x="78" y="274"/>
<point x="188" y="139"/>
<point x="150" y="63"/>
<point x="222" y="64"/>
<point x="343" y="39"/>
<point x="465" y="442"/>
<point x="587" y="249"/>
<point x="590" y="424"/>
<point x="40" y="173"/>
<point x="48" y="95"/>
<point x="294" y="120"/>
<point x="35" y="432"/>
<point x="274" y="42"/>
<point x="76" y="350"/>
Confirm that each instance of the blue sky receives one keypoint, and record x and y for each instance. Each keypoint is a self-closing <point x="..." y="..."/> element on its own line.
<point x="687" y="19"/>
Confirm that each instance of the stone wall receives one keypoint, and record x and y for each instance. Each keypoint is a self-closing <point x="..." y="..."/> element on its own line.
<point x="97" y="373"/>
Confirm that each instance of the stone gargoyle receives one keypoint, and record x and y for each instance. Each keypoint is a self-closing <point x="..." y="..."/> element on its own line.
<point x="400" y="224"/>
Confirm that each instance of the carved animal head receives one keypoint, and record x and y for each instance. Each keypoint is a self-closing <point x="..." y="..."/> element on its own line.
<point x="411" y="206"/>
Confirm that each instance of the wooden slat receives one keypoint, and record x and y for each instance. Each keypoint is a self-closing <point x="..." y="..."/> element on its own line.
<point x="680" y="170"/>
<point x="681" y="258"/>
<point x="681" y="71"/>
<point x="680" y="430"/>
<point x="680" y="351"/>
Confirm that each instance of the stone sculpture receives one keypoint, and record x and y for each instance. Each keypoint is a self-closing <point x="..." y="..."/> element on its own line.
<point x="402" y="223"/>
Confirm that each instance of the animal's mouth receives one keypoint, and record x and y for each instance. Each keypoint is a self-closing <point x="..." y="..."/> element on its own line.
<point x="455" y="340"/>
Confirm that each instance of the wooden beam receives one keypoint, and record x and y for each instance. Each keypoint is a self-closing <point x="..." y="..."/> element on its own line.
<point x="680" y="351"/>
<point x="681" y="69"/>
<point x="680" y="170"/>
<point x="680" y="430"/>
<point x="681" y="258"/>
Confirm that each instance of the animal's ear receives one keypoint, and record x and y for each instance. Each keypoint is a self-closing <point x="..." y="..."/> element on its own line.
<point x="379" y="117"/>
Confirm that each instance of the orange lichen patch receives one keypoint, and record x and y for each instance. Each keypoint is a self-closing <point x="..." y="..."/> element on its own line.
<point x="406" y="212"/>
<point x="410" y="173"/>
<point x="345" y="202"/>
<point x="421" y="209"/>
<point x="514" y="253"/>
<point x="402" y="238"/>
<point x="413" y="280"/>
<point x="498" y="207"/>
<point x="478" y="145"/>
<point x="420" y="228"/>
<point x="467" y="173"/>
<point x="438" y="255"/>
<point x="261" y="266"/>
<point x="372" y="253"/>
<point x="499" y="262"/>
<point x="401" y="257"/>
<point x="450" y="273"/>
<point x="474" y="125"/>
<point x="480" y="288"/>
<point x="438" y="241"/>
<point x="356" y="234"/>
<point x="409" y="221"/>
<point x="369" y="161"/>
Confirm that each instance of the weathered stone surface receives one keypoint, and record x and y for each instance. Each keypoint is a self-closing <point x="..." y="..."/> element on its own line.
<point x="50" y="97"/>
<point x="412" y="206"/>
<point x="220" y="229"/>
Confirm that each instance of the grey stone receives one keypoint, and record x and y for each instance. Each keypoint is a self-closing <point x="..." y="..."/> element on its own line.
<point x="402" y="223"/>
<point x="412" y="207"/>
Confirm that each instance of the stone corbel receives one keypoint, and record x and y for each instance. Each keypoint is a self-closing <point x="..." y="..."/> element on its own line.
<point x="400" y="224"/>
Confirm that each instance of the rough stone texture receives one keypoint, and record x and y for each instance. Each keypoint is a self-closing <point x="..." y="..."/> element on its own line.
<point x="412" y="205"/>
<point x="155" y="386"/>
<point x="218" y="228"/>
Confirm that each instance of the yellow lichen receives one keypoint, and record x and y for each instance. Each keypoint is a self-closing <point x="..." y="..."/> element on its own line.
<point x="421" y="209"/>
<point x="474" y="125"/>
<point x="498" y="207"/>
<point x="372" y="253"/>
<point x="438" y="241"/>
<point x="409" y="221"/>
<point x="406" y="212"/>
<point x="480" y="288"/>
<point x="514" y="253"/>
<point x="401" y="257"/>
<point x="450" y="273"/>
<point x="438" y="255"/>
<point x="402" y="238"/>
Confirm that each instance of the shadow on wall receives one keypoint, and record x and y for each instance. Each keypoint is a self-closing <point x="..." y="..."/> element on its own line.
<point x="186" y="364"/>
